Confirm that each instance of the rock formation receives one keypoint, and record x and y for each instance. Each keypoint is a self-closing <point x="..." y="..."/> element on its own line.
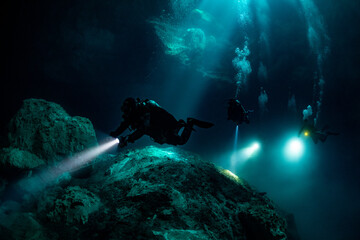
<point x="40" y="134"/>
<point x="46" y="130"/>
<point x="149" y="193"/>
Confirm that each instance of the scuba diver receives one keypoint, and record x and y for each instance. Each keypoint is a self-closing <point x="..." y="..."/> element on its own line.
<point x="237" y="112"/>
<point x="309" y="129"/>
<point x="146" y="117"/>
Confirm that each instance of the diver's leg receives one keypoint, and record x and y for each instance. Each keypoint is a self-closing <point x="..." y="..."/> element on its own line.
<point x="175" y="139"/>
<point x="185" y="135"/>
<point x="199" y="123"/>
<point x="188" y="128"/>
<point x="172" y="135"/>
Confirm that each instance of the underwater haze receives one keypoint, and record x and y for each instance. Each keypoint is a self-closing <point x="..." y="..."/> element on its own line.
<point x="287" y="60"/>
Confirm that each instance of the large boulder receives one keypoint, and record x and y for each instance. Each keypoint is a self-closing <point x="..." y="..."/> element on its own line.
<point x="155" y="193"/>
<point x="74" y="206"/>
<point x="25" y="227"/>
<point x="40" y="134"/>
<point x="45" y="129"/>
<point x="16" y="224"/>
<point x="16" y="158"/>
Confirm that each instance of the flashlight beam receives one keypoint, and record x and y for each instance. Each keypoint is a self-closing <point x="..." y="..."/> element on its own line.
<point x="47" y="176"/>
<point x="243" y="155"/>
<point x="86" y="156"/>
<point x="236" y="137"/>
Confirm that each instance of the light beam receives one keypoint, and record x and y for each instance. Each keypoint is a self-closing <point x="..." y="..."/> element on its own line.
<point x="47" y="176"/>
<point x="250" y="151"/>
<point x="236" y="137"/>
<point x="244" y="154"/>
<point x="294" y="149"/>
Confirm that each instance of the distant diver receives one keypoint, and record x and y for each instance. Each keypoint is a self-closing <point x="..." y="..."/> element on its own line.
<point x="237" y="112"/>
<point x="309" y="130"/>
<point x="146" y="117"/>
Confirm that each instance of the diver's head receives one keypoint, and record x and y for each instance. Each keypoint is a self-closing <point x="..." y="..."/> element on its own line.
<point x="128" y="105"/>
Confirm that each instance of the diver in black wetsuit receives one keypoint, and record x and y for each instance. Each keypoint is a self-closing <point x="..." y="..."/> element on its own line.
<point x="237" y="112"/>
<point x="309" y="129"/>
<point x="146" y="117"/>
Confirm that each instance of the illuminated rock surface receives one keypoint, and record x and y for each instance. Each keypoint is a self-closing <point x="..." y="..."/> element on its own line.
<point x="16" y="158"/>
<point x="151" y="193"/>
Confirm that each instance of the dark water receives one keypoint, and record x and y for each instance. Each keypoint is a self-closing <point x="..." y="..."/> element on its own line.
<point x="88" y="56"/>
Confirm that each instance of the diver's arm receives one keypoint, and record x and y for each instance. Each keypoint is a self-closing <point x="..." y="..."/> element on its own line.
<point x="131" y="138"/>
<point x="123" y="126"/>
<point x="135" y="135"/>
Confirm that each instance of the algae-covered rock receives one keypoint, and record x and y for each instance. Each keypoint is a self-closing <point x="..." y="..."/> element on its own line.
<point x="171" y="194"/>
<point x="25" y="227"/>
<point x="15" y="224"/>
<point x="74" y="206"/>
<point x="14" y="164"/>
<point x="182" y="234"/>
<point x="46" y="130"/>
<point x="16" y="158"/>
<point x="157" y="193"/>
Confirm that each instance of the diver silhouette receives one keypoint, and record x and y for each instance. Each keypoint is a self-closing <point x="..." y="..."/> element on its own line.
<point x="237" y="112"/>
<point x="309" y="129"/>
<point x="146" y="117"/>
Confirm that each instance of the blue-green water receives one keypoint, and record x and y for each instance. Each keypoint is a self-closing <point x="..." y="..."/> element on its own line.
<point x="287" y="60"/>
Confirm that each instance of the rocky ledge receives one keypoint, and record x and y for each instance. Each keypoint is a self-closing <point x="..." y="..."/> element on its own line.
<point x="148" y="193"/>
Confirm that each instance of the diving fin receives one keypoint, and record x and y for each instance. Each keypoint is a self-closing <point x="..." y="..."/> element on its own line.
<point x="199" y="123"/>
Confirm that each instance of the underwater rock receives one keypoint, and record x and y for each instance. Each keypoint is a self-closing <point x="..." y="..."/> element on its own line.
<point x="16" y="158"/>
<point x="46" y="130"/>
<point x="182" y="234"/>
<point x="74" y="206"/>
<point x="15" y="224"/>
<point x="15" y="164"/>
<point x="24" y="226"/>
<point x="157" y="193"/>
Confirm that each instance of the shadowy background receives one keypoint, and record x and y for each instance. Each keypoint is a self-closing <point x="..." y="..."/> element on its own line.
<point x="88" y="56"/>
